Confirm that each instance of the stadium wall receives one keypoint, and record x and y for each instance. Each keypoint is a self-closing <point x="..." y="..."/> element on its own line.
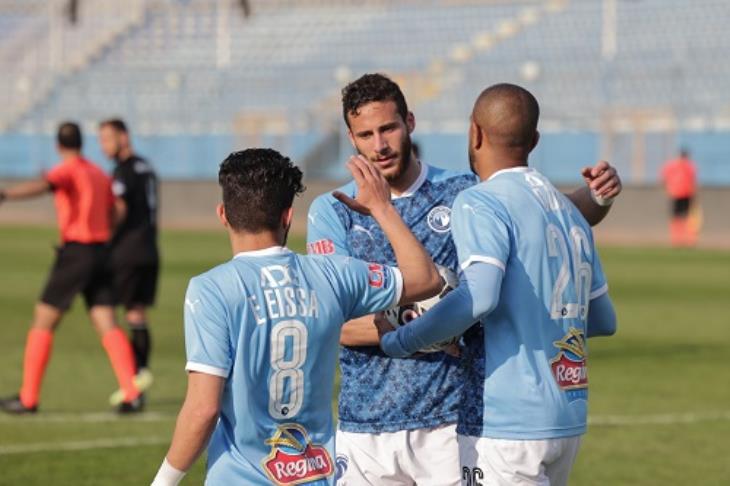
<point x="639" y="218"/>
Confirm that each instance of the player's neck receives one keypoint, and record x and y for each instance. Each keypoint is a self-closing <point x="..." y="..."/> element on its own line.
<point x="493" y="163"/>
<point x="69" y="154"/>
<point x="242" y="241"/>
<point x="124" y="154"/>
<point x="407" y="178"/>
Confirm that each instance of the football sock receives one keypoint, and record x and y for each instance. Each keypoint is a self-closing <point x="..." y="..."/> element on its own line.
<point x="141" y="343"/>
<point x="37" y="352"/>
<point x="122" y="359"/>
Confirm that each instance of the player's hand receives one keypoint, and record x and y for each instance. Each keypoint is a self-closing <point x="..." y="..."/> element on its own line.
<point x="603" y="180"/>
<point x="373" y="191"/>
<point x="382" y="324"/>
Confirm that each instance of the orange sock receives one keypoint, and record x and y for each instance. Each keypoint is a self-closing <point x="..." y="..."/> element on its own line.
<point x="122" y="358"/>
<point x="37" y="352"/>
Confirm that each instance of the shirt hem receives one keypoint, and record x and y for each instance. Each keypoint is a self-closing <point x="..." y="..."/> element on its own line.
<point x="479" y="431"/>
<point x="370" y="428"/>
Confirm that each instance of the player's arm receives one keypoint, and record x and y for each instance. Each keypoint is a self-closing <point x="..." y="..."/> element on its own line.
<point x="420" y="276"/>
<point x="119" y="211"/>
<point x="360" y="332"/>
<point x="475" y="297"/>
<point x="194" y="426"/>
<point x="602" y="185"/>
<point x="601" y="317"/>
<point x="25" y="190"/>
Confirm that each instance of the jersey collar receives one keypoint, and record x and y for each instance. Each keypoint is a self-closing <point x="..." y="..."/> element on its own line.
<point x="416" y="184"/>
<point x="511" y="169"/>
<point x="266" y="252"/>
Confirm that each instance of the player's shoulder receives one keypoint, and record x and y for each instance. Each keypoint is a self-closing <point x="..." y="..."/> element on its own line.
<point x="438" y="175"/>
<point x="327" y="200"/>
<point x="139" y="165"/>
<point x="216" y="280"/>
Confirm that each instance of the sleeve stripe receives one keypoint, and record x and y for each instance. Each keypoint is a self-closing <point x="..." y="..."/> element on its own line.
<point x="483" y="259"/>
<point x="207" y="369"/>
<point x="398" y="286"/>
<point x="599" y="291"/>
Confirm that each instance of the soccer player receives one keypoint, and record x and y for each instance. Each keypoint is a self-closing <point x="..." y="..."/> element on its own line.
<point x="262" y="330"/>
<point x="134" y="255"/>
<point x="385" y="403"/>
<point x="85" y="207"/>
<point x="680" y="182"/>
<point x="532" y="275"/>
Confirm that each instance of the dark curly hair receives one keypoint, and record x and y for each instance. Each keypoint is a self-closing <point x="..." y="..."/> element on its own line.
<point x="258" y="185"/>
<point x="369" y="88"/>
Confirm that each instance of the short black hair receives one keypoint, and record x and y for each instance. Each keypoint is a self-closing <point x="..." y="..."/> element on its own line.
<point x="69" y="136"/>
<point x="116" y="123"/>
<point x="369" y="88"/>
<point x="258" y="185"/>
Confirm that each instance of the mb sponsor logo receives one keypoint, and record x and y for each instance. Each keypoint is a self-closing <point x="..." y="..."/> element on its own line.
<point x="569" y="365"/>
<point x="294" y="459"/>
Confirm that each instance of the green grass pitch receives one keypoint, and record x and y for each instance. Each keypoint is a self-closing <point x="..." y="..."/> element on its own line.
<point x="660" y="388"/>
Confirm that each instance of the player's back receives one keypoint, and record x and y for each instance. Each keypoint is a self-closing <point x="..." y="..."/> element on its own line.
<point x="83" y="200"/>
<point x="269" y="322"/>
<point x="535" y="382"/>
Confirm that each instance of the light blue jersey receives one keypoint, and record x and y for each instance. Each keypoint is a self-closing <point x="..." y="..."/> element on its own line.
<point x="534" y="384"/>
<point x="269" y="323"/>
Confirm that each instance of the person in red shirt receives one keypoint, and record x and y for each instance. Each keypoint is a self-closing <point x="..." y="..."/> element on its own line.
<point x="680" y="181"/>
<point x="85" y="207"/>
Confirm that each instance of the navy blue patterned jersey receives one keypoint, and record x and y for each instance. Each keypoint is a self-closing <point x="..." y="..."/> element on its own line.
<point x="379" y="393"/>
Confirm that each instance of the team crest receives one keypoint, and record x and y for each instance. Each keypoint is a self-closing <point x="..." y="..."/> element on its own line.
<point x="439" y="219"/>
<point x="569" y="365"/>
<point x="294" y="459"/>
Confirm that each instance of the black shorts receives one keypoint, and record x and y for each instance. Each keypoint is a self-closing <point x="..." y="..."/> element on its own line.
<point x="680" y="207"/>
<point x="135" y="284"/>
<point x="79" y="267"/>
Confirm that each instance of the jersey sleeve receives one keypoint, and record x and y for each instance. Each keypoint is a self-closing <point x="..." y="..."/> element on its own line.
<point x="480" y="228"/>
<point x="326" y="235"/>
<point x="366" y="288"/>
<point x="58" y="177"/>
<point x="599" y="285"/>
<point x="207" y="338"/>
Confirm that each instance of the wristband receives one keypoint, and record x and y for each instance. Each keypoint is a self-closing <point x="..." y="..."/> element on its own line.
<point x="601" y="201"/>
<point x="168" y="475"/>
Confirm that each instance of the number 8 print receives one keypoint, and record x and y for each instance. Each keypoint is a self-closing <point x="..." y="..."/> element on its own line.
<point x="287" y="367"/>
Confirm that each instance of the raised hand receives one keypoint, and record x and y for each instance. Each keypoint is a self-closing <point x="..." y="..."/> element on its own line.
<point x="373" y="191"/>
<point x="603" y="180"/>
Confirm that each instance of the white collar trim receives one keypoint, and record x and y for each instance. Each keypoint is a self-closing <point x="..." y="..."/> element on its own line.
<point x="511" y="169"/>
<point x="416" y="184"/>
<point x="270" y="251"/>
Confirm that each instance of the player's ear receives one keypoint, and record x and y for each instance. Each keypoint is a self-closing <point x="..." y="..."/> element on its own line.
<point x="410" y="122"/>
<point x="287" y="216"/>
<point x="535" y="140"/>
<point x="476" y="136"/>
<point x="221" y="212"/>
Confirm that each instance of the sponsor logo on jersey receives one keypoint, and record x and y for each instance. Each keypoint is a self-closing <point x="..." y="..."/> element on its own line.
<point x="376" y="276"/>
<point x="294" y="459"/>
<point x="321" y="247"/>
<point x="569" y="365"/>
<point x="341" y="463"/>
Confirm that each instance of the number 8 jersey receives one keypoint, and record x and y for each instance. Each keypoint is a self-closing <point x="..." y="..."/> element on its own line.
<point x="269" y="323"/>
<point x="534" y="384"/>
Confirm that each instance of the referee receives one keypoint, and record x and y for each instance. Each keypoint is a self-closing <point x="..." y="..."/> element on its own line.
<point x="85" y="207"/>
<point x="135" y="257"/>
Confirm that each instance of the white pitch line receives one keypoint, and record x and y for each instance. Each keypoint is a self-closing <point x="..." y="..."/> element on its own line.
<point x="82" y="445"/>
<point x="91" y="417"/>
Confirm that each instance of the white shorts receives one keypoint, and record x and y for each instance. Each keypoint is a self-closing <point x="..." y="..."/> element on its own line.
<point x="426" y="457"/>
<point x="497" y="462"/>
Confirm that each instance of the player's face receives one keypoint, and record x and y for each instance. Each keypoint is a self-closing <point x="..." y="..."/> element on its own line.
<point x="110" y="142"/>
<point x="379" y="133"/>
